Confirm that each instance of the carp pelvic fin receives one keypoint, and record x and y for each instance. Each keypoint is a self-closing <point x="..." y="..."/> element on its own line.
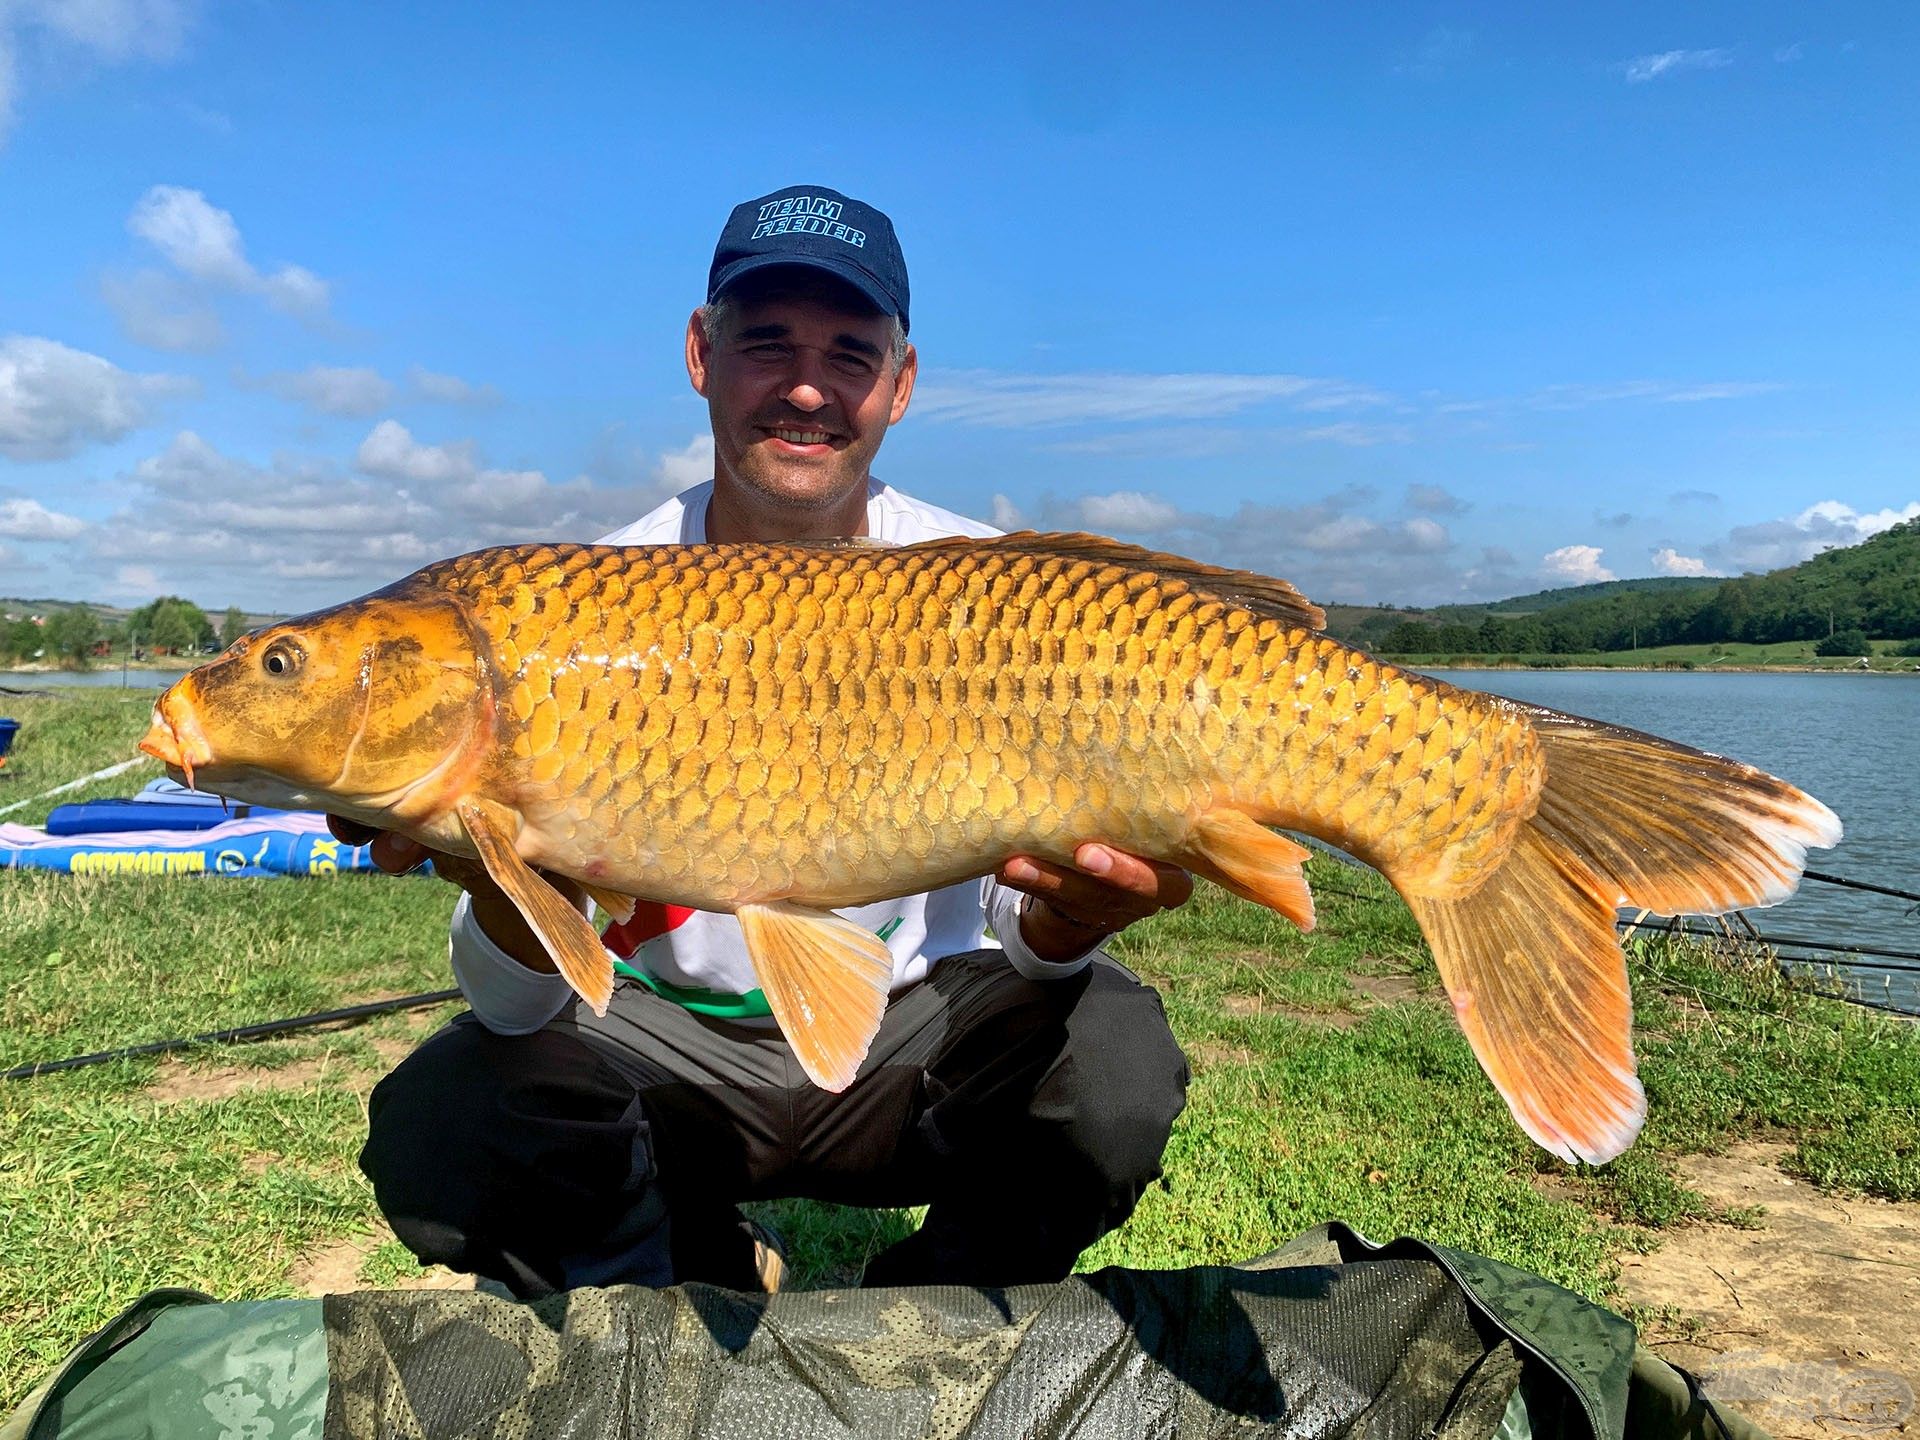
<point x="619" y="906"/>
<point x="563" y="930"/>
<point x="1238" y="853"/>
<point x="826" y="980"/>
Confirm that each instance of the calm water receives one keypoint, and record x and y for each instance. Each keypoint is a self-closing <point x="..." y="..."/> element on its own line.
<point x="48" y="679"/>
<point x="1852" y="740"/>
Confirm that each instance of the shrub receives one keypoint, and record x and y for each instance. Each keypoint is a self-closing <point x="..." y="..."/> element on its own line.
<point x="1844" y="642"/>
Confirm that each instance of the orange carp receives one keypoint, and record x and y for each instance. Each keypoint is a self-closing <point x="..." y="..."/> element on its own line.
<point x="779" y="730"/>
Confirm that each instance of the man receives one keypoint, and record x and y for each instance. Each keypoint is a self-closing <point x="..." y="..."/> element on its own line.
<point x="1023" y="1088"/>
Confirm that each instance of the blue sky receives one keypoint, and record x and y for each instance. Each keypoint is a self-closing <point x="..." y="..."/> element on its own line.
<point x="1409" y="303"/>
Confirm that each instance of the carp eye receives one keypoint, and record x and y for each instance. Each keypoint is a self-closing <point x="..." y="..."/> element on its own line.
<point x="282" y="657"/>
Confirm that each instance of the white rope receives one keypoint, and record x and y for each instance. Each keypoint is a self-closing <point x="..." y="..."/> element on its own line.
<point x="73" y="784"/>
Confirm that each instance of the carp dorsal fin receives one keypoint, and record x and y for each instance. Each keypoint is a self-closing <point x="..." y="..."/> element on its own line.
<point x="563" y="930"/>
<point x="826" y="980"/>
<point x="1262" y="594"/>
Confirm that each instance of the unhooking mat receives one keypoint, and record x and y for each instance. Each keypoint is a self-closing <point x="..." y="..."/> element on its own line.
<point x="1328" y="1339"/>
<point x="270" y="844"/>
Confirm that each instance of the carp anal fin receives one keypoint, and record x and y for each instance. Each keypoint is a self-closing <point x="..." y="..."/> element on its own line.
<point x="1262" y="594"/>
<point x="1238" y="853"/>
<point x="826" y="980"/>
<point x="619" y="906"/>
<point x="1539" y="984"/>
<point x="563" y="930"/>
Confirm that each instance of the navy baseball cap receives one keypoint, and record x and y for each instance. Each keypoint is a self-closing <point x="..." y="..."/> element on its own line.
<point x="821" y="229"/>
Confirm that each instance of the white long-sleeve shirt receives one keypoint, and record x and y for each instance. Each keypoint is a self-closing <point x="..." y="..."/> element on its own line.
<point x="699" y="958"/>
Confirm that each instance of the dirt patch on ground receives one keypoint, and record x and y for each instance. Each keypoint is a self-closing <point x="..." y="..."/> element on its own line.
<point x="1809" y="1324"/>
<point x="1391" y="989"/>
<point x="179" y="1080"/>
<point x="334" y="1269"/>
<point x="182" y="1079"/>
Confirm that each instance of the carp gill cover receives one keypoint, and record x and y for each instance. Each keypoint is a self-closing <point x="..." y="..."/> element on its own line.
<point x="779" y="730"/>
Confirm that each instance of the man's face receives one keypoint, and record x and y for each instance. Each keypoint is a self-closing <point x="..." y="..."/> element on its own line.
<point x="801" y="392"/>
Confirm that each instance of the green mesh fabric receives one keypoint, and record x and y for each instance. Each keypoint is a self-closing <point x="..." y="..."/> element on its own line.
<point x="1326" y="1339"/>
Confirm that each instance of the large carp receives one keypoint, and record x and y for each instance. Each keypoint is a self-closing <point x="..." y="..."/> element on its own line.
<point x="779" y="730"/>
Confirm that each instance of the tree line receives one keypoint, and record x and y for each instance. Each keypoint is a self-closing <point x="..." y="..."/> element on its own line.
<point x="1839" y="600"/>
<point x="77" y="634"/>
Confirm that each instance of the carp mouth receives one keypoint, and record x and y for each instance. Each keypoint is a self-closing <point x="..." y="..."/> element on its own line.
<point x="174" y="738"/>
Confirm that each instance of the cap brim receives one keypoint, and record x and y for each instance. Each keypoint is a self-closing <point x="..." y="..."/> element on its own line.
<point x="851" y="274"/>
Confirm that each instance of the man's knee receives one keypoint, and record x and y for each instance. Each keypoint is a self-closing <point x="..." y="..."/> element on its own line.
<point x="1124" y="1082"/>
<point x="477" y="1134"/>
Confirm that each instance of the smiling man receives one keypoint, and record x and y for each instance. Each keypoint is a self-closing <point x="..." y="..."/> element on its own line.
<point x="1022" y="1087"/>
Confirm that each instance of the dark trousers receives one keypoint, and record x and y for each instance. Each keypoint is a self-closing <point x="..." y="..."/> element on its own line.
<point x="1028" y="1116"/>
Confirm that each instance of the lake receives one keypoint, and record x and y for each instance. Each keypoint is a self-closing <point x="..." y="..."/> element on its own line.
<point x="1851" y="740"/>
<point x="50" y="679"/>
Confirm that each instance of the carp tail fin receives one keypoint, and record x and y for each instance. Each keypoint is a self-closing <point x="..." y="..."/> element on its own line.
<point x="1531" y="957"/>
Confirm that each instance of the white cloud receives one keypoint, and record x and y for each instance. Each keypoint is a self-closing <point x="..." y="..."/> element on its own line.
<point x="1668" y="561"/>
<point x="1787" y="54"/>
<point x="1435" y="500"/>
<point x="136" y="581"/>
<point x="452" y="477"/>
<point x="1574" y="565"/>
<point x="105" y="31"/>
<point x="298" y="531"/>
<point x="1010" y="401"/>
<point x="1661" y="392"/>
<point x="1126" y="510"/>
<point x="202" y="242"/>
<point x="1821" y="526"/>
<point x="332" y="390"/>
<point x="54" y="399"/>
<point x="1006" y="514"/>
<point x="391" y="453"/>
<point x="1643" y="68"/>
<point x="162" y="312"/>
<point x="30" y="520"/>
<point x="449" y="389"/>
<point x="690" y="465"/>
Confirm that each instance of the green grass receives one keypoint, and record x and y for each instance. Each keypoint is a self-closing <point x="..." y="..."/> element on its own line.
<point x="1330" y="1081"/>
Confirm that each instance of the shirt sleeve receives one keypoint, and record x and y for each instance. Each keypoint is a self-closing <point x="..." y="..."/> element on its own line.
<point x="504" y="995"/>
<point x="1003" y="914"/>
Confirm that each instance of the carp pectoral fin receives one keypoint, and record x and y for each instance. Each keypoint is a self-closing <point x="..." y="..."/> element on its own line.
<point x="1238" y="853"/>
<point x="563" y="930"/>
<point x="619" y="906"/>
<point x="1539" y="985"/>
<point x="826" y="980"/>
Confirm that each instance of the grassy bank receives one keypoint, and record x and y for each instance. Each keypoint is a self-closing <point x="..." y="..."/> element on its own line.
<point x="1329" y="1081"/>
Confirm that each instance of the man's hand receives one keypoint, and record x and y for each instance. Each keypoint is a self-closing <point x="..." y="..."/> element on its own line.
<point x="1075" y="908"/>
<point x="498" y="916"/>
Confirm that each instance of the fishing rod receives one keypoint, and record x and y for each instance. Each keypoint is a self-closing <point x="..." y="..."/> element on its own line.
<point x="233" y="1034"/>
<point x="1675" y="926"/>
<point x="1860" y="885"/>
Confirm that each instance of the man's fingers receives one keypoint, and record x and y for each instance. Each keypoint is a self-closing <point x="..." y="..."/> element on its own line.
<point x="1155" y="881"/>
<point x="395" y="853"/>
<point x="351" y="832"/>
<point x="1120" y="889"/>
